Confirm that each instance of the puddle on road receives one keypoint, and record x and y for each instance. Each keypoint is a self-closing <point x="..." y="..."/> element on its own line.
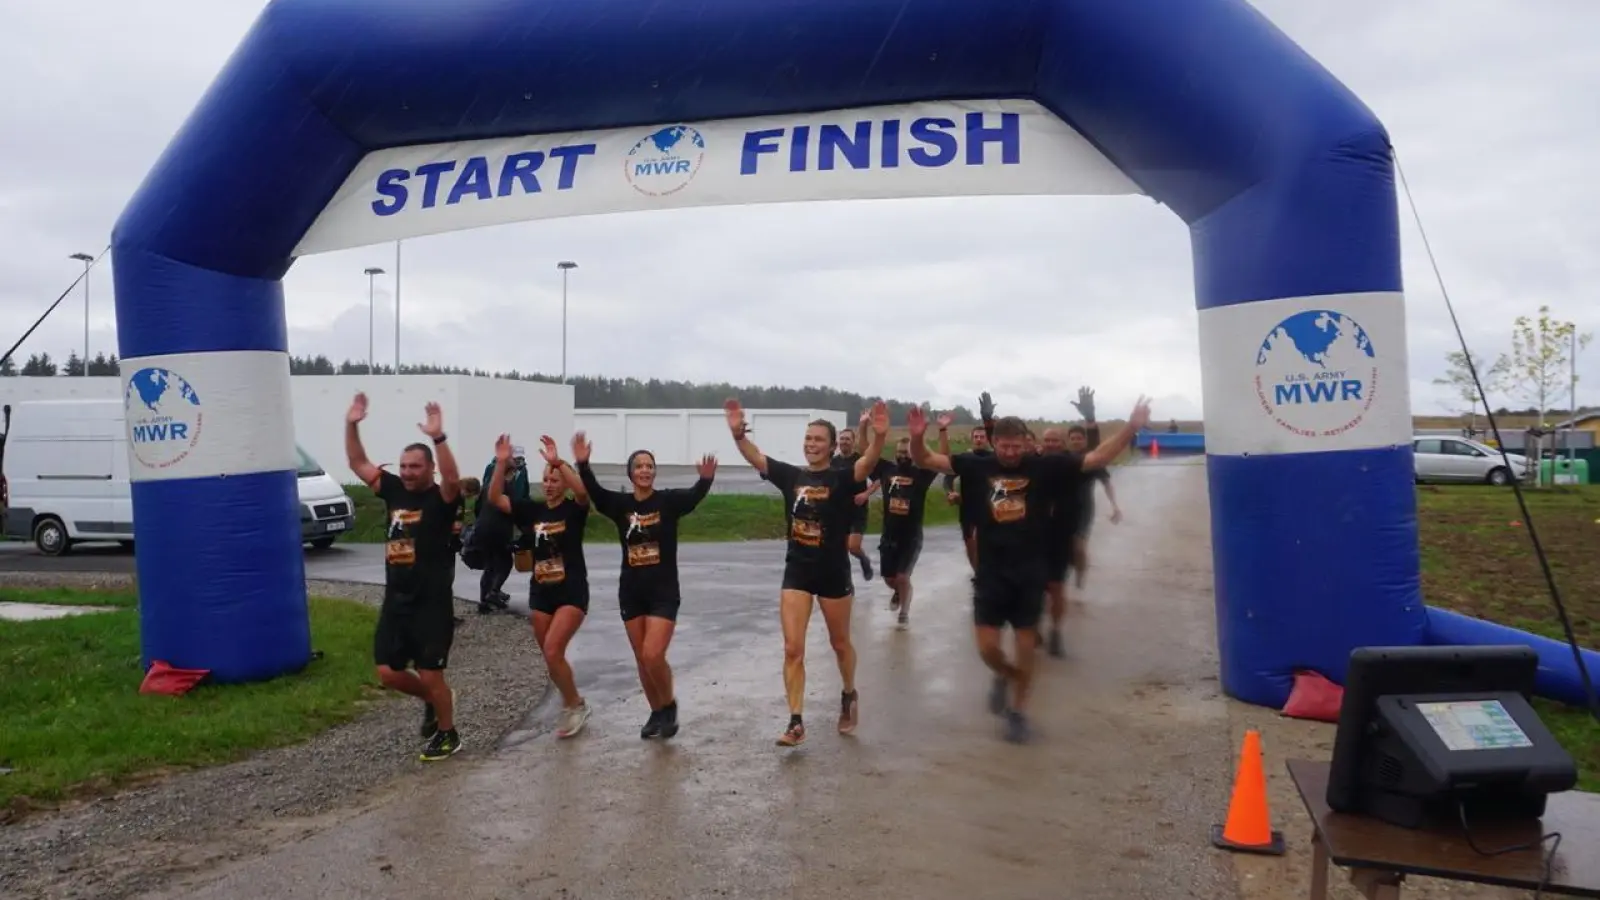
<point x="32" y="612"/>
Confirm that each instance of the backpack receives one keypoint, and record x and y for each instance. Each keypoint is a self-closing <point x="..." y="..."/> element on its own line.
<point x="471" y="553"/>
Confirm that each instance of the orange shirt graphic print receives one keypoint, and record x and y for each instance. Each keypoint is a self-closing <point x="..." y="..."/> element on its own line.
<point x="805" y="515"/>
<point x="400" y="549"/>
<point x="1008" y="499"/>
<point x="642" y="547"/>
<point x="899" y="503"/>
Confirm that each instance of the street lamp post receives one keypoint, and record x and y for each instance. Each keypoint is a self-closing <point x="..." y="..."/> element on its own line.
<point x="372" y="318"/>
<point x="87" y="261"/>
<point x="397" y="307"/>
<point x="565" y="266"/>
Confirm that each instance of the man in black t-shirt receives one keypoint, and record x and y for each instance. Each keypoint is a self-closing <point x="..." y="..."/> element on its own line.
<point x="416" y="624"/>
<point x="820" y="503"/>
<point x="1078" y="441"/>
<point x="647" y="592"/>
<point x="1009" y="585"/>
<point x="558" y="592"/>
<point x="905" y="493"/>
<point x="862" y="491"/>
<point x="968" y="503"/>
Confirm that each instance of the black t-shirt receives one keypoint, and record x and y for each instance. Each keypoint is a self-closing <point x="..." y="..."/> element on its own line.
<point x="847" y="462"/>
<point x="819" y="506"/>
<point x="1075" y="499"/>
<point x="647" y="530"/>
<point x="1013" y="505"/>
<point x="905" y="494"/>
<point x="491" y="528"/>
<point x="419" y="549"/>
<point x="555" y="535"/>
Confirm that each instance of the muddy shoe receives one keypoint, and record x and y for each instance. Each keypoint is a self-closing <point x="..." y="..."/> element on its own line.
<point x="794" y="735"/>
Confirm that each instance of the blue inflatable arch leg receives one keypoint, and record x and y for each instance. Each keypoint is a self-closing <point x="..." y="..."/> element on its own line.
<point x="1283" y="176"/>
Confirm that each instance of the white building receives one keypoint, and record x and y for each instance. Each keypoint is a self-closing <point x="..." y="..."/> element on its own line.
<point x="476" y="411"/>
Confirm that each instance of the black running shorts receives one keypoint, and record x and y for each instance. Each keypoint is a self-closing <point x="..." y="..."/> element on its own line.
<point x="858" y="519"/>
<point x="417" y="635"/>
<point x="1058" y="559"/>
<point x="1014" y="597"/>
<point x="828" y="582"/>
<point x="549" y="598"/>
<point x="899" y="556"/>
<point x="657" y="603"/>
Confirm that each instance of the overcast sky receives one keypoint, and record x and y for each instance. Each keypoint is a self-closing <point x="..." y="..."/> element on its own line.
<point x="1491" y="104"/>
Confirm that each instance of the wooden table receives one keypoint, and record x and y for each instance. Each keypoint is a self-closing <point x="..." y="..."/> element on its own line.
<point x="1380" y="855"/>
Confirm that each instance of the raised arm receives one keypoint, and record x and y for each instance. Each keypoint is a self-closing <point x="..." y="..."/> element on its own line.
<point x="449" y="474"/>
<point x="494" y="493"/>
<point x="355" y="454"/>
<point x="601" y="498"/>
<point x="1103" y="455"/>
<point x="944" y="421"/>
<point x="740" y="431"/>
<point x="569" y="476"/>
<point x="685" y="500"/>
<point x="880" y="434"/>
<point x="921" y="456"/>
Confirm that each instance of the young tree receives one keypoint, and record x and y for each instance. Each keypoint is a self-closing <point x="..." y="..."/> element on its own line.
<point x="1458" y="377"/>
<point x="74" y="364"/>
<point x="1542" y="354"/>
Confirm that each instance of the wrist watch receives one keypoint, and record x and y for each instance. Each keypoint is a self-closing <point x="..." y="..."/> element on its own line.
<point x="440" y="439"/>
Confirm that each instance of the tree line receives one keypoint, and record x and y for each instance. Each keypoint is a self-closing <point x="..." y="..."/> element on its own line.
<point x="589" y="392"/>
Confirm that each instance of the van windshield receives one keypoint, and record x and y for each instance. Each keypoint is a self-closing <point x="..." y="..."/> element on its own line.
<point x="308" y="466"/>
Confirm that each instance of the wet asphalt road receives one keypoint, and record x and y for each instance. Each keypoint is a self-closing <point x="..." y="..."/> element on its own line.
<point x="1114" y="799"/>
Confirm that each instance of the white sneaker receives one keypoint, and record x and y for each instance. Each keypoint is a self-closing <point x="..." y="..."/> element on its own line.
<point x="572" y="720"/>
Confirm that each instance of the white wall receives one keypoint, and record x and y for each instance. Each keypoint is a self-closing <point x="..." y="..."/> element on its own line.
<point x="679" y="437"/>
<point x="476" y="411"/>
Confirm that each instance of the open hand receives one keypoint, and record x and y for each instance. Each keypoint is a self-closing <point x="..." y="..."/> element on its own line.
<point x="863" y="497"/>
<point x="502" y="450"/>
<point x="1085" y="403"/>
<point x="945" y="420"/>
<point x="880" y="418"/>
<point x="1140" y="417"/>
<point x="581" y="447"/>
<point x="433" y="427"/>
<point x="952" y="498"/>
<point x="358" y="409"/>
<point x="707" y="468"/>
<point x="735" y="414"/>
<point x="986" y="407"/>
<point x="548" y="450"/>
<point x="917" y="422"/>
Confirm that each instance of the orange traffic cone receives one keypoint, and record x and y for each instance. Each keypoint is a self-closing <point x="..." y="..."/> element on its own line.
<point x="1249" y="826"/>
<point x="1155" y="449"/>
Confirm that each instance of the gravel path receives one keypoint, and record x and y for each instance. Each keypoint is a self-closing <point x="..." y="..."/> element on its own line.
<point x="133" y="841"/>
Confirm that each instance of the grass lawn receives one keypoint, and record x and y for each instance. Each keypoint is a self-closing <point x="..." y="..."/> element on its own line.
<point x="1474" y="561"/>
<point x="76" y="724"/>
<point x="720" y="517"/>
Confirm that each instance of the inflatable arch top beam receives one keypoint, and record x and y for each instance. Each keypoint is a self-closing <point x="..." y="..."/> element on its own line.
<point x="1283" y="176"/>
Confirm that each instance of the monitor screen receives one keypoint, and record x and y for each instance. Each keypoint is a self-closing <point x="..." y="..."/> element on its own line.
<point x="1474" y="725"/>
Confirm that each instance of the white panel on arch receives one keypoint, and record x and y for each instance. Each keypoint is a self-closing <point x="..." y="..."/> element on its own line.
<point x="199" y="415"/>
<point x="939" y="149"/>
<point x="1305" y="374"/>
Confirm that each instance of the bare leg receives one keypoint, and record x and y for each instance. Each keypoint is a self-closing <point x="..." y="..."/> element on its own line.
<point x="554" y="632"/>
<point x="992" y="654"/>
<point x="636" y="631"/>
<point x="657" y="636"/>
<point x="794" y="609"/>
<point x="404" y="681"/>
<point x="836" y="614"/>
<point x="444" y="706"/>
<point x="903" y="586"/>
<point x="1022" y="673"/>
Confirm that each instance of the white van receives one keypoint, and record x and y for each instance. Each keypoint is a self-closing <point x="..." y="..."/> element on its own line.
<point x="64" y="479"/>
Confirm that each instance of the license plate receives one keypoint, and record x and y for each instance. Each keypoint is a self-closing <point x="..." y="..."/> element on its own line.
<point x="333" y="526"/>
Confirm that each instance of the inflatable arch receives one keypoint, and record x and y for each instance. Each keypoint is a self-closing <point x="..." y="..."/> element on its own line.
<point x="340" y="123"/>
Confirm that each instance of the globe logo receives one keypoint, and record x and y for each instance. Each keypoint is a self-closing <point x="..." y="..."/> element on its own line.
<point x="1316" y="373"/>
<point x="164" y="417"/>
<point x="665" y="161"/>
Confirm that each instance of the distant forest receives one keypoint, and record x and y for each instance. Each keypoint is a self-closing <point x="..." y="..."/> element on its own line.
<point x="589" y="392"/>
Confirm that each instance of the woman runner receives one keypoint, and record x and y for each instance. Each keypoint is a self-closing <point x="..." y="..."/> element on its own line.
<point x="647" y="592"/>
<point x="558" y="592"/>
<point x="820" y="500"/>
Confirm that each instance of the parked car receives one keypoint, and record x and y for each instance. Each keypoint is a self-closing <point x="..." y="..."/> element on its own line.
<point x="1457" y="459"/>
<point x="64" y="479"/>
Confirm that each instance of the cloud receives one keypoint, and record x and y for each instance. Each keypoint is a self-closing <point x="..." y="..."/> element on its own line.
<point x="934" y="299"/>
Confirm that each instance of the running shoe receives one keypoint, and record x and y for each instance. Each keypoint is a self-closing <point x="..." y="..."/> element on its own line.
<point x="793" y="736"/>
<point x="572" y="719"/>
<point x="997" y="695"/>
<point x="444" y="745"/>
<point x="904" y="620"/>
<point x="652" y="726"/>
<point x="849" y="712"/>
<point x="1017" y="729"/>
<point x="430" y="721"/>
<point x="669" y="720"/>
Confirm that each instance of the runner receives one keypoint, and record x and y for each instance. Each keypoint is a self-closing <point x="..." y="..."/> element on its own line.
<point x="558" y="592"/>
<point x="416" y="624"/>
<point x="647" y="592"/>
<point x="1079" y="440"/>
<point x="905" y="492"/>
<point x="968" y="508"/>
<point x="1061" y="529"/>
<point x="846" y="458"/>
<point x="820" y="504"/>
<point x="1011" y="573"/>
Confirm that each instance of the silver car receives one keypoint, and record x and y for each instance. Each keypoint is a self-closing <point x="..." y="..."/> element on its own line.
<point x="1461" y="460"/>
